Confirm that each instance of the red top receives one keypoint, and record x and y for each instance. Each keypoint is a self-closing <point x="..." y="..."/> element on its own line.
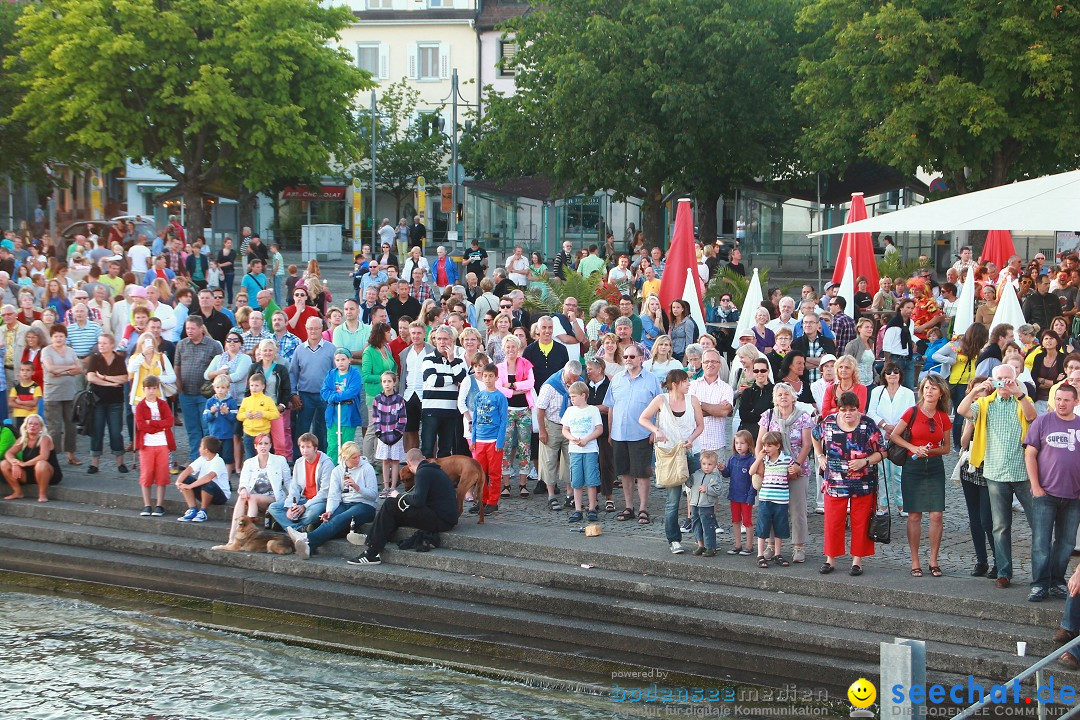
<point x="832" y="395"/>
<point x="397" y="346"/>
<point x="300" y="329"/>
<point x="926" y="430"/>
<point x="145" y="423"/>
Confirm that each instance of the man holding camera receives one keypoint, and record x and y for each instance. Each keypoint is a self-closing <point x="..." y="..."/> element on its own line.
<point x="1001" y="417"/>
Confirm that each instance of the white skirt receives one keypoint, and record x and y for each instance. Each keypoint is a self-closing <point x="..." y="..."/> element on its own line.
<point x="389" y="452"/>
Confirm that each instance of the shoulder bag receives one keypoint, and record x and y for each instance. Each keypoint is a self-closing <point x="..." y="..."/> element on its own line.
<point x="880" y="528"/>
<point x="898" y="454"/>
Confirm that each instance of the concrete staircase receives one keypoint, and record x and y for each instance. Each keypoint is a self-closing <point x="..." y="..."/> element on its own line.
<point x="541" y="599"/>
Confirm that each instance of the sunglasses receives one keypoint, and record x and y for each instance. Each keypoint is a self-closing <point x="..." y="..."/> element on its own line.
<point x="761" y="370"/>
<point x="233" y="339"/>
<point x="892" y="372"/>
<point x="630" y="357"/>
<point x="504" y="307"/>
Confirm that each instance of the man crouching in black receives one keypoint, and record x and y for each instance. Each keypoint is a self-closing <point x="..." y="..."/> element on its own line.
<point x="430" y="506"/>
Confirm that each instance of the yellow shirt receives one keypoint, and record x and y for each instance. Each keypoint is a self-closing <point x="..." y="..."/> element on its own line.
<point x="650" y="287"/>
<point x="260" y="402"/>
<point x="35" y="391"/>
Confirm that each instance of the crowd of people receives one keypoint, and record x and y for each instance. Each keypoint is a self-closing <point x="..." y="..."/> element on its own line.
<point x="311" y="401"/>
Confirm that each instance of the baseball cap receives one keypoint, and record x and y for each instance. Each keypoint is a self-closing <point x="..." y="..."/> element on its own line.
<point x="826" y="358"/>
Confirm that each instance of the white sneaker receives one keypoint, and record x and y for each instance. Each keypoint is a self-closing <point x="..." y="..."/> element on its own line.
<point x="355" y="538"/>
<point x="676" y="548"/>
<point x="300" y="542"/>
<point x="1017" y="506"/>
<point x="770" y="552"/>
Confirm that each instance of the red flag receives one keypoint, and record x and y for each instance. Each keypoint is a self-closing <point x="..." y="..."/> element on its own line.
<point x="680" y="258"/>
<point x="859" y="247"/>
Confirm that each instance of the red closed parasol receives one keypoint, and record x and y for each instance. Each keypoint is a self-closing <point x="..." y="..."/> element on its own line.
<point x="998" y="248"/>
<point x="859" y="247"/>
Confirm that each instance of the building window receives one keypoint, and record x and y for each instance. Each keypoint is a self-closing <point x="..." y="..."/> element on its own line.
<point x="380" y="4"/>
<point x="507" y="53"/>
<point x="375" y="58"/>
<point x="440" y="3"/>
<point x="367" y="57"/>
<point x="429" y="61"/>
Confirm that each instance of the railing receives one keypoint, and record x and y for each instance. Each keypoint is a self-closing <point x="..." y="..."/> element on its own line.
<point x="1037" y="671"/>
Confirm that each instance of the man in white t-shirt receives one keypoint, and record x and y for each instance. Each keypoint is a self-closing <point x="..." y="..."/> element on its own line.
<point x="387" y="233"/>
<point x="139" y="256"/>
<point x="569" y="330"/>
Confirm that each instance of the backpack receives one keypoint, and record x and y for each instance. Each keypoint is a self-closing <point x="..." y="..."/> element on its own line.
<point x="85" y="402"/>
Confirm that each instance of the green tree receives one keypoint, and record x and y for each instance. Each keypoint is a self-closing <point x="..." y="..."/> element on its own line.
<point x="983" y="92"/>
<point x="644" y="97"/>
<point x="18" y="157"/>
<point x="242" y="91"/>
<point x="408" y="147"/>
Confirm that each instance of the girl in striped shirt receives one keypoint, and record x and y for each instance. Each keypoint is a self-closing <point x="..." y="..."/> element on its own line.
<point x="773" y="466"/>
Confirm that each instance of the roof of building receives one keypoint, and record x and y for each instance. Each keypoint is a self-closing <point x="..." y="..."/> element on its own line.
<point x="406" y="16"/>
<point x="494" y="13"/>
<point x="534" y="188"/>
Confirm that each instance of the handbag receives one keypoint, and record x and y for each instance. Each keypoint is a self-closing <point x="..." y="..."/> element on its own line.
<point x="880" y="528"/>
<point x="671" y="467"/>
<point x="898" y="454"/>
<point x="207" y="389"/>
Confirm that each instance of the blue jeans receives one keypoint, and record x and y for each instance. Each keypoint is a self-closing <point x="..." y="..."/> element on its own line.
<point x="192" y="407"/>
<point x="907" y="368"/>
<point x="1070" y="620"/>
<point x="227" y="282"/>
<point x="279" y="287"/>
<point x="671" y="513"/>
<point x="312" y="511"/>
<point x="1001" y="495"/>
<point x="1056" y="517"/>
<point x="338" y="523"/>
<point x="437" y="434"/>
<point x="109" y="415"/>
<point x="310" y="417"/>
<point x="704" y="525"/>
<point x="980" y="520"/>
<point x="890" y="474"/>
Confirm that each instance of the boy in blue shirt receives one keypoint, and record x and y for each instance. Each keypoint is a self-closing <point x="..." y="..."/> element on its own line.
<point x="220" y="416"/>
<point x="489" y="412"/>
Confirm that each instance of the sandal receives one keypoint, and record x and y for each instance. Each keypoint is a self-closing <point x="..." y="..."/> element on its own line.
<point x="936" y="571"/>
<point x="524" y="492"/>
<point x="625" y="515"/>
<point x="575" y="517"/>
<point x="762" y="562"/>
<point x="916" y="572"/>
<point x="826" y="568"/>
<point x="643" y="518"/>
<point x="856" y="571"/>
<point x="505" y="492"/>
<point x="554" y="504"/>
<point x="591" y="515"/>
<point x="609" y="506"/>
<point x="779" y="560"/>
<point x="747" y="551"/>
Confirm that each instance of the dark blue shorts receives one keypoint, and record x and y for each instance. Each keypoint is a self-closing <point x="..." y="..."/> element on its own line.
<point x="211" y="488"/>
<point x="772" y="518"/>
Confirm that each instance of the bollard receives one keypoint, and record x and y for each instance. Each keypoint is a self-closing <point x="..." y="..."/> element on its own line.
<point x="902" y="662"/>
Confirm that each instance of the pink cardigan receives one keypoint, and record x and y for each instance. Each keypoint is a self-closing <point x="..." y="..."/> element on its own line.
<point x="523" y="374"/>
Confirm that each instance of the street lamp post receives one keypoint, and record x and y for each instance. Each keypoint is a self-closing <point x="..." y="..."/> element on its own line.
<point x="374" y="142"/>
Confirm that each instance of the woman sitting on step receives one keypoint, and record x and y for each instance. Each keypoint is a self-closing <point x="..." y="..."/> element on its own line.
<point x="31" y="460"/>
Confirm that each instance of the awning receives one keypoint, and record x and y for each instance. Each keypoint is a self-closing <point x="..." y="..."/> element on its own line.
<point x="153" y="189"/>
<point x="1045" y="204"/>
<point x="215" y="189"/>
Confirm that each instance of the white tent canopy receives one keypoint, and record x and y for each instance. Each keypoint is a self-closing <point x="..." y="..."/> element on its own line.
<point x="1045" y="204"/>
<point x="751" y="303"/>
<point x="1008" y="309"/>
<point x="965" y="305"/>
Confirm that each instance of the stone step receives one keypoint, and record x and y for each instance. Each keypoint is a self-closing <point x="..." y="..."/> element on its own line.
<point x="999" y="635"/>
<point x="564" y="641"/>
<point x="814" y="639"/>
<point x="952" y="595"/>
<point x="961" y="596"/>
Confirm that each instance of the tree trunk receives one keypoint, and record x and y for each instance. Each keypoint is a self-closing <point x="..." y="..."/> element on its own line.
<point x="652" y="217"/>
<point x="706" y="201"/>
<point x="194" y="212"/>
<point x="245" y="216"/>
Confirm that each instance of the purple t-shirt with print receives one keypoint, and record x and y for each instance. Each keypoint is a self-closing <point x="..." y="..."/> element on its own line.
<point x="1057" y="441"/>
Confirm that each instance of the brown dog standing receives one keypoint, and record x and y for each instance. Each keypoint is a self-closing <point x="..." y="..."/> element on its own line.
<point x="467" y="474"/>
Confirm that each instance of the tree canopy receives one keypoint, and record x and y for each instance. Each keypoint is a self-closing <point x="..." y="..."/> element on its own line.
<point x="18" y="156"/>
<point x="983" y="92"/>
<point x="644" y="97"/>
<point x="408" y="147"/>
<point x="242" y="91"/>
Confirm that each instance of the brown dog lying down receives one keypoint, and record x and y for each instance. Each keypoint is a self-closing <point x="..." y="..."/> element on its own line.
<point x="249" y="538"/>
<point x="467" y="474"/>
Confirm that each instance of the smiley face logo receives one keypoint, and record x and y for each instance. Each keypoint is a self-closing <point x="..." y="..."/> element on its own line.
<point x="862" y="693"/>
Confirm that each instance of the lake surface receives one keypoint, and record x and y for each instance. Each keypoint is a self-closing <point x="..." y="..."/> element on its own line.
<point x="68" y="658"/>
